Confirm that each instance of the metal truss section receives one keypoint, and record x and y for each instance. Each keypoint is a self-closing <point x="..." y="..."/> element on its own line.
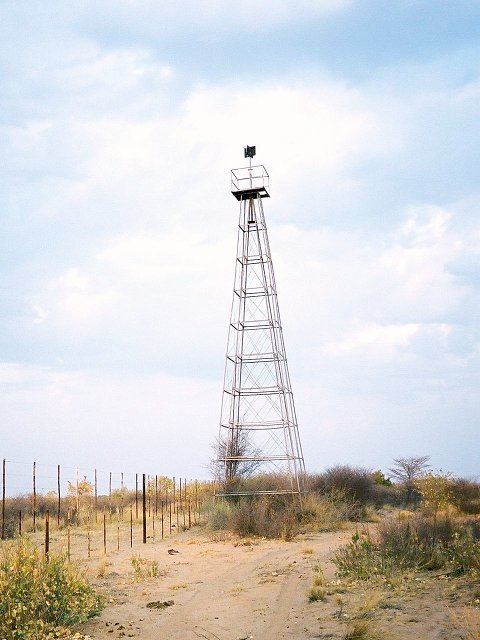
<point x="258" y="424"/>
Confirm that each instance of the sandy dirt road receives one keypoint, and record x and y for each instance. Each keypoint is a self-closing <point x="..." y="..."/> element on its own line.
<point x="226" y="590"/>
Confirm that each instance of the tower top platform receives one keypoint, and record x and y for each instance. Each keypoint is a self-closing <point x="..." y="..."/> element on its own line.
<point x="249" y="182"/>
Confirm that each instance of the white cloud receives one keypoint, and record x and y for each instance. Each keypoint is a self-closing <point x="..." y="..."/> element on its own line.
<point x="374" y="337"/>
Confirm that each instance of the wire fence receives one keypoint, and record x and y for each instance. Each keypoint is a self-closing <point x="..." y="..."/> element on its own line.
<point x="91" y="513"/>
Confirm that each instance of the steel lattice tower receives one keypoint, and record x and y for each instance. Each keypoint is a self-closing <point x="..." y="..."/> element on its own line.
<point x="258" y="425"/>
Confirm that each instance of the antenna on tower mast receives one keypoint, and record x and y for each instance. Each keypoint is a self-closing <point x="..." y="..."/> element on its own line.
<point x="258" y="424"/>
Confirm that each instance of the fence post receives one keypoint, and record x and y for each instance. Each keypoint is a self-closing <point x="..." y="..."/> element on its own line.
<point x="34" y="497"/>
<point x="149" y="496"/>
<point x="144" y="510"/>
<point x="180" y="494"/>
<point x="68" y="534"/>
<point x="77" y="499"/>
<point x="47" y="533"/>
<point x="96" y="495"/>
<point x="121" y="498"/>
<point x="3" y="499"/>
<point x="59" y="502"/>
<point x="110" y="495"/>
<point x="131" y="526"/>
<point x="20" y="523"/>
<point x="104" y="532"/>
<point x="136" y="496"/>
<point x="89" y="539"/>
<point x="161" y="503"/>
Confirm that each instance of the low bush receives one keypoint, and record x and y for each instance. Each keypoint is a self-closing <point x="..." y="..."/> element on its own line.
<point x="416" y="544"/>
<point x="328" y="511"/>
<point x="38" y="595"/>
<point x="361" y="485"/>
<point x="274" y="516"/>
<point x="218" y="513"/>
<point x="281" y="516"/>
<point x="465" y="496"/>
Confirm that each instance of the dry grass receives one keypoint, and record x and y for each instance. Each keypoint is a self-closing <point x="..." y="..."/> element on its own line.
<point x="195" y="541"/>
<point x="237" y="588"/>
<point x="318" y="590"/>
<point x="143" y="568"/>
<point x="370" y="601"/>
<point x="102" y="566"/>
<point x="316" y="593"/>
<point x="178" y="586"/>
<point x="362" y="629"/>
<point x="466" y="621"/>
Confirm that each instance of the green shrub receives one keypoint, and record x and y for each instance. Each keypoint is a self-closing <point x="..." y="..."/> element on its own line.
<point x="281" y="516"/>
<point x="360" y="485"/>
<point x="328" y="511"/>
<point x="416" y="544"/>
<point x="466" y="496"/>
<point x="219" y="512"/>
<point x="38" y="595"/>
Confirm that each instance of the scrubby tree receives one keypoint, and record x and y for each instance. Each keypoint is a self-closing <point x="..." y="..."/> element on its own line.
<point x="436" y="490"/>
<point x="407" y="471"/>
<point x="80" y="494"/>
<point x="236" y="458"/>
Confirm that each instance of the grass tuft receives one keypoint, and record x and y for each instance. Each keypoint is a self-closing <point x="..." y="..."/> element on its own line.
<point x="362" y="629"/>
<point x="316" y="593"/>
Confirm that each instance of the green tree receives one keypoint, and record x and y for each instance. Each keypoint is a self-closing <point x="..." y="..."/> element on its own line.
<point x="437" y="492"/>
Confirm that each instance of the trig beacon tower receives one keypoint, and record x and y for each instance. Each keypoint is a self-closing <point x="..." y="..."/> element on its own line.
<point x="258" y="424"/>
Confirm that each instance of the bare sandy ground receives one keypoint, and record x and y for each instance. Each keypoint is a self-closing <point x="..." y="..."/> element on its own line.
<point x="232" y="589"/>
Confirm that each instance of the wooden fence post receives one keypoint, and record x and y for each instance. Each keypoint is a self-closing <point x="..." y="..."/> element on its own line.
<point x="89" y="539"/>
<point x="161" y="503"/>
<point x="144" y="510"/>
<point x="104" y="532"/>
<point x="34" y="509"/>
<point x="3" y="498"/>
<point x="131" y="526"/>
<point x="59" y="498"/>
<point x="149" y="495"/>
<point x="110" y="495"/>
<point x="47" y="533"/>
<point x="68" y="535"/>
<point x="121" y="497"/>
<point x="96" y="495"/>
<point x="136" y="496"/>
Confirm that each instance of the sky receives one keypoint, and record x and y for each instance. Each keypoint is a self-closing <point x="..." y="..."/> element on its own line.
<point x="119" y="124"/>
